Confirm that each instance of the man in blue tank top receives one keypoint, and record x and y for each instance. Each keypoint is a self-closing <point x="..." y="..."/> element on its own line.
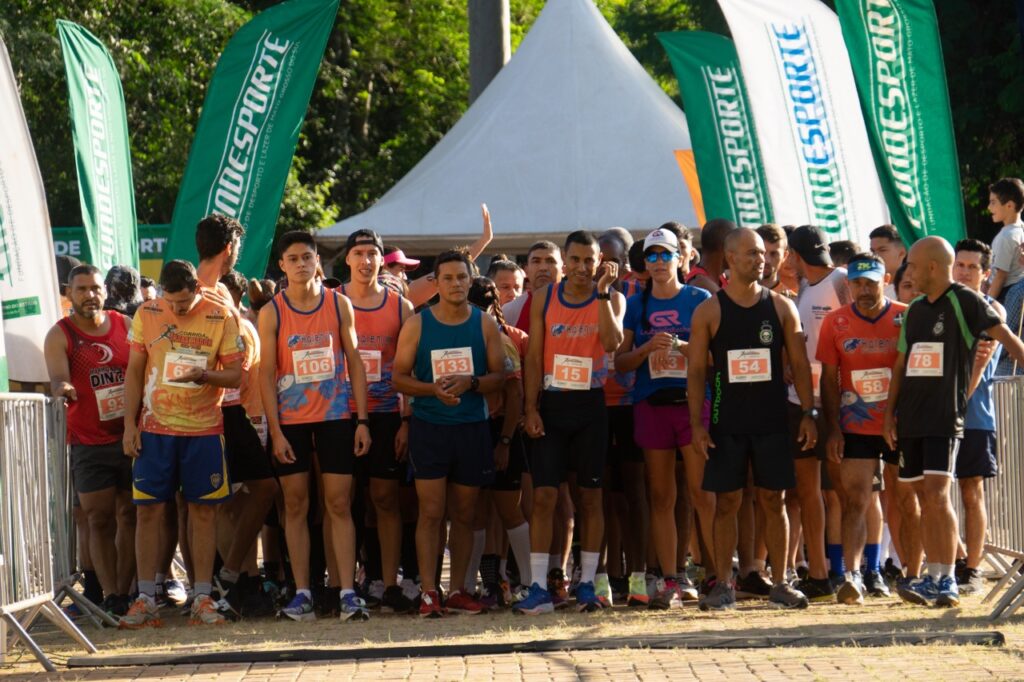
<point x="448" y="357"/>
<point x="747" y="328"/>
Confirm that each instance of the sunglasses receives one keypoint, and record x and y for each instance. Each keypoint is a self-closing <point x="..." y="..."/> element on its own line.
<point x="665" y="256"/>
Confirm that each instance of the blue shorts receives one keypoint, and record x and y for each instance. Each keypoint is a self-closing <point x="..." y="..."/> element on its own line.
<point x="462" y="453"/>
<point x="194" y="464"/>
<point x="977" y="456"/>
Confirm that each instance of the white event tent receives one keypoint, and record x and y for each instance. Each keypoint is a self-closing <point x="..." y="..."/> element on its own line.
<point x="571" y="134"/>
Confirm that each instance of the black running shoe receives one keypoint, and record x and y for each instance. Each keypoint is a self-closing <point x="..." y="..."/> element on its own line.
<point x="394" y="601"/>
<point x="753" y="586"/>
<point x="875" y="585"/>
<point x="817" y="589"/>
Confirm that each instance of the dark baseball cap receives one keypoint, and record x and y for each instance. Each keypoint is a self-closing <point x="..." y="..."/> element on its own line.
<point x="811" y="244"/>
<point x="364" y="236"/>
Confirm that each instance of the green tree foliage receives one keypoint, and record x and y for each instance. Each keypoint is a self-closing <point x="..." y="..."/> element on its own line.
<point x="395" y="79"/>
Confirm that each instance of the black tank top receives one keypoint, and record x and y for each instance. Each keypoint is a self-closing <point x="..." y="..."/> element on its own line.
<point x="748" y="394"/>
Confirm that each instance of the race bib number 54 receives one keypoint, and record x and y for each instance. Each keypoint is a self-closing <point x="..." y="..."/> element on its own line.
<point x="925" y="360"/>
<point x="750" y="365"/>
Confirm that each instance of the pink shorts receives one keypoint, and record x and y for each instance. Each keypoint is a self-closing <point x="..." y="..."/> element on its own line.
<point x="664" y="427"/>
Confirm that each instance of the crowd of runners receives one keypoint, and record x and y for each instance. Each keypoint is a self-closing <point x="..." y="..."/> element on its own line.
<point x="615" y="422"/>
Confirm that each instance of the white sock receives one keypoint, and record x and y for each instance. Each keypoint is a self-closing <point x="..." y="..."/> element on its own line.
<point x="934" y="569"/>
<point x="503" y="564"/>
<point x="538" y="567"/>
<point x="588" y="566"/>
<point x="555" y="561"/>
<point x="519" y="539"/>
<point x="886" y="541"/>
<point x="479" y="540"/>
<point x="758" y="565"/>
<point x="944" y="570"/>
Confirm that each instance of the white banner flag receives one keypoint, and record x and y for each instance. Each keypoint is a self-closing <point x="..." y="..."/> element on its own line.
<point x="817" y="156"/>
<point x="28" y="271"/>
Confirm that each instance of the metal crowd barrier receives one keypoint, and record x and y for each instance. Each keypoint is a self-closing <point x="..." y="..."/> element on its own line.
<point x="1004" y="497"/>
<point x="36" y="538"/>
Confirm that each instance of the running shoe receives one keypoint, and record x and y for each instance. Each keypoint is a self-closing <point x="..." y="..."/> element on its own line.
<point x="300" y="609"/>
<point x="785" y="596"/>
<point x="666" y="596"/>
<point x="921" y="591"/>
<point x="205" y="612"/>
<point x="463" y="602"/>
<point x="411" y="590"/>
<point x="603" y="589"/>
<point x="231" y="597"/>
<point x="395" y="601"/>
<point x="948" y="593"/>
<point x="537" y="601"/>
<point x="620" y="588"/>
<point x="817" y="589"/>
<point x="352" y="608"/>
<point x="651" y="583"/>
<point x="520" y="593"/>
<point x="638" y="592"/>
<point x="875" y="585"/>
<point x="791" y="576"/>
<point x="721" y="597"/>
<point x="114" y="606"/>
<point x="802" y="572"/>
<point x="891" y="572"/>
<point x="836" y="579"/>
<point x="586" y="598"/>
<point x="143" y="613"/>
<point x="490" y="596"/>
<point x="850" y="591"/>
<point x="506" y="593"/>
<point x="327" y="601"/>
<point x="970" y="581"/>
<point x="175" y="591"/>
<point x="258" y="603"/>
<point x="557" y="588"/>
<point x="686" y="589"/>
<point x="753" y="586"/>
<point x="373" y="592"/>
<point x="430" y="605"/>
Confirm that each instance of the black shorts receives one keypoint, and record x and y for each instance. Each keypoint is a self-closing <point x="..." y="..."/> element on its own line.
<point x="575" y="439"/>
<point x="769" y="456"/>
<point x="860" y="446"/>
<point x="977" y="456"/>
<point x="332" y="441"/>
<point x="622" y="446"/>
<point x="794" y="415"/>
<point x="380" y="461"/>
<point x="248" y="459"/>
<point x="98" y="467"/>
<point x="462" y="453"/>
<point x="933" y="455"/>
<point x="510" y="478"/>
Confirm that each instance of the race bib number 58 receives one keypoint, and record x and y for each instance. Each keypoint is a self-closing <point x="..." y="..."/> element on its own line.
<point x="872" y="385"/>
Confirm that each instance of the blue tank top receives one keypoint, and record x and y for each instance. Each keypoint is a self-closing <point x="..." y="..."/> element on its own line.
<point x="450" y="349"/>
<point x="981" y="413"/>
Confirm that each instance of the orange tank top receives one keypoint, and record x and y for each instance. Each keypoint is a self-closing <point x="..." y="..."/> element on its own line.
<point x="377" y="329"/>
<point x="574" y="359"/>
<point x="311" y="381"/>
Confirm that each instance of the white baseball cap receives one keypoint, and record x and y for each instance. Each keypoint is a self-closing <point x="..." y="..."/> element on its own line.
<point x="664" y="238"/>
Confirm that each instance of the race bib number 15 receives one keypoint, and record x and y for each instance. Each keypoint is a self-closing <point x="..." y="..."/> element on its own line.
<point x="572" y="372"/>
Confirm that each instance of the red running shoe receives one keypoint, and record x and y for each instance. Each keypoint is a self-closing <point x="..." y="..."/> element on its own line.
<point x="430" y="605"/>
<point x="460" y="602"/>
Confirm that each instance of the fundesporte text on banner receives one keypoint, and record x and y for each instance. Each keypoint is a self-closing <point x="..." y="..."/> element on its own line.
<point x="815" y="147"/>
<point x="725" y="145"/>
<point x="99" y="125"/>
<point x="896" y="55"/>
<point x="249" y="126"/>
<point x="28" y="272"/>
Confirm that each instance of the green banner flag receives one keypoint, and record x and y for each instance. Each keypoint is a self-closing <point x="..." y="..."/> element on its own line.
<point x="897" y="61"/>
<point x="725" y="146"/>
<point x="249" y="127"/>
<point x="102" y="151"/>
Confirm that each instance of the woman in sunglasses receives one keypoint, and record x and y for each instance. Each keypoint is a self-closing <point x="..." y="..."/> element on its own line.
<point x="655" y="335"/>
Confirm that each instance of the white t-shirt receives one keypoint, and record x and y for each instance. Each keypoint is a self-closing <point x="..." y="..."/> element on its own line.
<point x="813" y="303"/>
<point x="514" y="308"/>
<point x="1006" y="252"/>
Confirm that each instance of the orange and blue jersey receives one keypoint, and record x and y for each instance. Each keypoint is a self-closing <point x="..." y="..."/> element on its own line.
<point x="574" y="359"/>
<point x="205" y="337"/>
<point x="311" y="382"/>
<point x="377" y="329"/>
<point x="865" y="351"/>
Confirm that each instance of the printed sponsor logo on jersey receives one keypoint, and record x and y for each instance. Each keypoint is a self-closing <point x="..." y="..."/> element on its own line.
<point x="940" y="325"/>
<point x="766" y="335"/>
<point x="664" y="318"/>
<point x="105" y="351"/>
<point x="101" y="377"/>
<point x="573" y="330"/>
<point x="320" y="339"/>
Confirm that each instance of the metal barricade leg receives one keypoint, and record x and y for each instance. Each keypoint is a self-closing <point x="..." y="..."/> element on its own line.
<point x="1000" y="609"/>
<point x="60" y="619"/>
<point x="21" y="634"/>
<point x="97" y="616"/>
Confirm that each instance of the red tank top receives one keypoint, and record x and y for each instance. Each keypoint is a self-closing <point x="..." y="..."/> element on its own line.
<point x="377" y="329"/>
<point x="574" y="359"/>
<point x="97" y="366"/>
<point x="699" y="270"/>
<point x="311" y="382"/>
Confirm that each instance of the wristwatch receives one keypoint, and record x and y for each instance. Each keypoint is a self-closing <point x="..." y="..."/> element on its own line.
<point x="606" y="296"/>
<point x="676" y="342"/>
<point x="203" y="378"/>
<point x="362" y="422"/>
<point x="505" y="440"/>
<point x="474" y="383"/>
<point x="813" y="413"/>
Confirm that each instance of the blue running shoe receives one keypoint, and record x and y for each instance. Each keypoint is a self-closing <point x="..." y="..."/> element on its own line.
<point x="948" y="592"/>
<point x="922" y="591"/>
<point x="586" y="598"/>
<point x="538" y="601"/>
<point x="300" y="608"/>
<point x="353" y="608"/>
